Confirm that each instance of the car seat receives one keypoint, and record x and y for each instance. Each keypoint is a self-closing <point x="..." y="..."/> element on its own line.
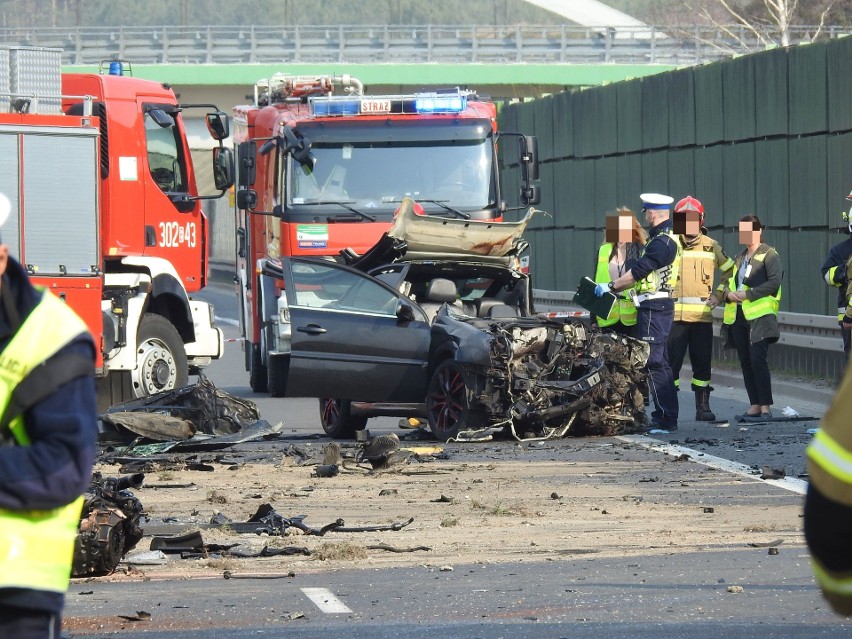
<point x="439" y="292"/>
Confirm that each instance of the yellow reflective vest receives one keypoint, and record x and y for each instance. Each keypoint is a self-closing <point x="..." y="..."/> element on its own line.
<point x="624" y="310"/>
<point x="830" y="472"/>
<point x="37" y="547"/>
<point x="663" y="279"/>
<point x="751" y="309"/>
<point x="700" y="257"/>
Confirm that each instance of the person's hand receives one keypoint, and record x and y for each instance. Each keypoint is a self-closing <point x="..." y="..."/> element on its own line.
<point x="712" y="302"/>
<point x="846" y="324"/>
<point x="600" y="289"/>
<point x="736" y="296"/>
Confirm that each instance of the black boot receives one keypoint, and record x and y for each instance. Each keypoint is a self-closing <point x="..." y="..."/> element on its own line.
<point x="702" y="406"/>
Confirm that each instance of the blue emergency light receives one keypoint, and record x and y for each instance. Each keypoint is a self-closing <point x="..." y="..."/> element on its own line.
<point x="327" y="106"/>
<point x="425" y="103"/>
<point x="453" y="104"/>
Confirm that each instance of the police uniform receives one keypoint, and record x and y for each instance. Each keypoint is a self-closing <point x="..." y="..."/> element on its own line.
<point x="692" y="329"/>
<point x="656" y="273"/>
<point x="48" y="435"/>
<point x="828" y="505"/>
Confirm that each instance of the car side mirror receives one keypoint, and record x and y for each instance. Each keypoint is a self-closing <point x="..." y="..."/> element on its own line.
<point x="404" y="312"/>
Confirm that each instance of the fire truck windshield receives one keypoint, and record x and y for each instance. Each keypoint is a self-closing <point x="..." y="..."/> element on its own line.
<point x="373" y="176"/>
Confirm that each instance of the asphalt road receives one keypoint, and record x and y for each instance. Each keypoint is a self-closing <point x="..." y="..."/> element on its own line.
<point x="654" y="596"/>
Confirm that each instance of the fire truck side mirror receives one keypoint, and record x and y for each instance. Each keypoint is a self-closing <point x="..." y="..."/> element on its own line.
<point x="246" y="199"/>
<point x="247" y="158"/>
<point x="531" y="194"/>
<point x="223" y="168"/>
<point x="529" y="157"/>
<point x="218" y="125"/>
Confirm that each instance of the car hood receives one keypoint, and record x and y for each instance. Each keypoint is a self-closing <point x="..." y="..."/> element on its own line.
<point x="414" y="237"/>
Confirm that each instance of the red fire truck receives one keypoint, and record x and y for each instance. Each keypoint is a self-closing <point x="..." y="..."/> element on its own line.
<point x="105" y="213"/>
<point x="318" y="173"/>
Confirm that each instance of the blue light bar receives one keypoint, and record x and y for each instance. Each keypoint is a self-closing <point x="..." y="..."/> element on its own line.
<point x="335" y="107"/>
<point x="453" y="104"/>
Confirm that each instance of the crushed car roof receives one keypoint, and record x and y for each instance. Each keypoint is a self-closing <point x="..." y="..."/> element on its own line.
<point x="414" y="237"/>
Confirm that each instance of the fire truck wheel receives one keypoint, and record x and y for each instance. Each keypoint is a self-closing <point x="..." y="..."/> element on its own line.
<point x="160" y="357"/>
<point x="337" y="420"/>
<point x="256" y="368"/>
<point x="448" y="402"/>
<point x="276" y="375"/>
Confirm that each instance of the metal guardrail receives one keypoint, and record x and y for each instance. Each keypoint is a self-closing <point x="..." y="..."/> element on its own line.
<point x="399" y="44"/>
<point x="801" y="330"/>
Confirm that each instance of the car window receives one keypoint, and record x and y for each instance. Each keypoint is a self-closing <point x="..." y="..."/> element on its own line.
<point x="328" y="286"/>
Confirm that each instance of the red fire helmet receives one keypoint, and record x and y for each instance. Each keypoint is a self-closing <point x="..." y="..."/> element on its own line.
<point x="690" y="203"/>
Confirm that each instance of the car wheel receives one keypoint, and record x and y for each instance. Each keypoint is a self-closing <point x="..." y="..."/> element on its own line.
<point x="276" y="375"/>
<point x="448" y="402"/>
<point x="257" y="369"/>
<point x="161" y="363"/>
<point x="337" y="420"/>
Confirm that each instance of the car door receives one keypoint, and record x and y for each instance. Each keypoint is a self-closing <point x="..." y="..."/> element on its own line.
<point x="346" y="339"/>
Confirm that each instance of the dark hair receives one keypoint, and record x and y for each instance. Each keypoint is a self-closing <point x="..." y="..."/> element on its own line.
<point x="756" y="225"/>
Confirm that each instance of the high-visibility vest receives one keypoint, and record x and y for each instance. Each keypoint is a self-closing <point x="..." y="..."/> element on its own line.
<point x="662" y="279"/>
<point x="695" y="280"/>
<point x="624" y="310"/>
<point x="37" y="547"/>
<point x="751" y="310"/>
<point x="829" y="458"/>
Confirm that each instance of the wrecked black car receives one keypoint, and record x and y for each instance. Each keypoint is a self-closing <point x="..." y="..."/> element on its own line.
<point x="437" y="321"/>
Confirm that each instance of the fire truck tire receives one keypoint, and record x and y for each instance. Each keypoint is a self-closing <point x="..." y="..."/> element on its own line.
<point x="276" y="375"/>
<point x="161" y="362"/>
<point x="337" y="420"/>
<point x="256" y="368"/>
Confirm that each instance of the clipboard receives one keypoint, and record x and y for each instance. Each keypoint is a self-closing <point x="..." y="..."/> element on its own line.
<point x="585" y="297"/>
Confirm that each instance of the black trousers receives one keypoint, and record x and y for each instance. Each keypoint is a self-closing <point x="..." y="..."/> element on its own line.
<point x="697" y="339"/>
<point x="25" y="623"/>
<point x="756" y="376"/>
<point x="653" y="326"/>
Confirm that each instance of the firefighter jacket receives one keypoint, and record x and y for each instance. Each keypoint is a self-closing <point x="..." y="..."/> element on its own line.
<point x="762" y="284"/>
<point x="834" y="272"/>
<point x="846" y="314"/>
<point x="700" y="256"/>
<point x="47" y="440"/>
<point x="656" y="270"/>
<point x="623" y="310"/>
<point x="828" y="505"/>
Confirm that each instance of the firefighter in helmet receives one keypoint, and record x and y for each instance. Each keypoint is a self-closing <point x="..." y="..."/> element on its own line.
<point x="834" y="273"/>
<point x="48" y="433"/>
<point x="694" y="301"/>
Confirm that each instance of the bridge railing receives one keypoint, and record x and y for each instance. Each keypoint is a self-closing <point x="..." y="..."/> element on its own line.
<point x="415" y="44"/>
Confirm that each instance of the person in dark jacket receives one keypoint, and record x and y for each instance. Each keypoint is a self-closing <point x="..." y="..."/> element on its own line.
<point x="48" y="434"/>
<point x="834" y="273"/>
<point x="750" y="321"/>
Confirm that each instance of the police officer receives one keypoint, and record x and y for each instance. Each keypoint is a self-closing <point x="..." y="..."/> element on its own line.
<point x="834" y="274"/>
<point x="694" y="301"/>
<point x="828" y="505"/>
<point x="47" y="446"/>
<point x="656" y="274"/>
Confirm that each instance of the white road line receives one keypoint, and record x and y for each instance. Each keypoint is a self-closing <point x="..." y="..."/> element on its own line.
<point x="325" y="601"/>
<point x="792" y="484"/>
<point x="225" y="320"/>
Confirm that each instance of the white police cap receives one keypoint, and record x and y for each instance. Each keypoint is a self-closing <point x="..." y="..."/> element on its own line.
<point x="656" y="201"/>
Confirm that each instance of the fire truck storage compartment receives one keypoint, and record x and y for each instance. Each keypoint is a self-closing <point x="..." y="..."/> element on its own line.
<point x="53" y="228"/>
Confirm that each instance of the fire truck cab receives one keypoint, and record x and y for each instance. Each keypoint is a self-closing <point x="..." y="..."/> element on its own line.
<point x="106" y="214"/>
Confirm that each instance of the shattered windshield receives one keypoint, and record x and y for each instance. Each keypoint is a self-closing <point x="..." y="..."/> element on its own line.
<point x="373" y="175"/>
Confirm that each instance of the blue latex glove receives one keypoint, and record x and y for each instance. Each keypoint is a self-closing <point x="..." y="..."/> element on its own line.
<point x="600" y="289"/>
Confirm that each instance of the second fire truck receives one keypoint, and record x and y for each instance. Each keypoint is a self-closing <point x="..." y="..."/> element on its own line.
<point x="321" y="167"/>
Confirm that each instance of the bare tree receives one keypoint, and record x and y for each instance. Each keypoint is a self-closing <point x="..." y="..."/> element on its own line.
<point x="762" y="23"/>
